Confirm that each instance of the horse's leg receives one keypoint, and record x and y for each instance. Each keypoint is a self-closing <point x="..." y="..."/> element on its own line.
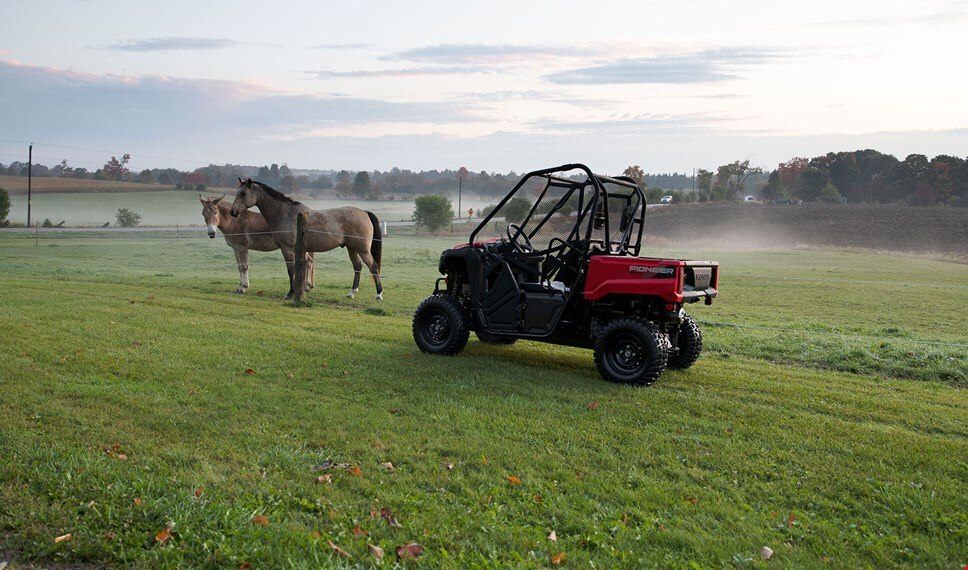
<point x="242" y="262"/>
<point x="375" y="272"/>
<point x="311" y="268"/>
<point x="357" y="268"/>
<point x="290" y="256"/>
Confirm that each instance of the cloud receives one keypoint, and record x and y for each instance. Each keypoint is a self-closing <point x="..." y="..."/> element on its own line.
<point x="401" y="72"/>
<point x="489" y="54"/>
<point x="629" y="125"/>
<point x="168" y="44"/>
<point x="706" y="66"/>
<point x="153" y="112"/>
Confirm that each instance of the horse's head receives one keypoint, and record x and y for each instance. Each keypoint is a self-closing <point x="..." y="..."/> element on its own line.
<point x="245" y="198"/>
<point x="211" y="213"/>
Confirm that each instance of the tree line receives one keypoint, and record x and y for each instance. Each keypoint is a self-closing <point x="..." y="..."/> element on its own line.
<point x="856" y="176"/>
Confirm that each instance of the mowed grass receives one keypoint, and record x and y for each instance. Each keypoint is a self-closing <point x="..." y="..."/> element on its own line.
<point x="222" y="405"/>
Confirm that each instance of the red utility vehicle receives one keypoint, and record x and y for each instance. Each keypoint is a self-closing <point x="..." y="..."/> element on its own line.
<point x="565" y="270"/>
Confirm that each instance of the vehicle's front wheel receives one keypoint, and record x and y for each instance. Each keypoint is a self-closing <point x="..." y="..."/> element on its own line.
<point x="689" y="343"/>
<point x="440" y="325"/>
<point x="631" y="351"/>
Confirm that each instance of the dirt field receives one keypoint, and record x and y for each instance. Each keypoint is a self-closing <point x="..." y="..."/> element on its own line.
<point x="920" y="231"/>
<point x="43" y="185"/>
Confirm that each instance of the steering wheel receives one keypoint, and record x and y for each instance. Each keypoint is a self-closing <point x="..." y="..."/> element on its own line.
<point x="513" y="236"/>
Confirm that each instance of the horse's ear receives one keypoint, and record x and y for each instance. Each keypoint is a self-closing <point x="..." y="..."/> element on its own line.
<point x="241" y="182"/>
<point x="202" y="200"/>
<point x="217" y="200"/>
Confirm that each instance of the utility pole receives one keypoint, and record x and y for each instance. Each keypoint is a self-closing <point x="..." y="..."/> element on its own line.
<point x="30" y="163"/>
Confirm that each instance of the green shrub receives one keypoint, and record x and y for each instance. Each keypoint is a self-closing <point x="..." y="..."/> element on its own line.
<point x="433" y="212"/>
<point x="127" y="218"/>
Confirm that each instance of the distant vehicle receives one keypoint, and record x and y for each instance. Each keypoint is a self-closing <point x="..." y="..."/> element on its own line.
<point x="749" y="199"/>
<point x="666" y="199"/>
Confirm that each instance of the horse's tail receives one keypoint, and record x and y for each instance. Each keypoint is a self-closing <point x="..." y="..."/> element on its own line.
<point x="376" y="247"/>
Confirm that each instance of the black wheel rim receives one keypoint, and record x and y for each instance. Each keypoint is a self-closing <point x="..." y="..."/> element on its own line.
<point x="627" y="355"/>
<point x="437" y="328"/>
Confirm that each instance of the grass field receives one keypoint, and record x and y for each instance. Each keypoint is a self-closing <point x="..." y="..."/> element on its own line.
<point x="162" y="421"/>
<point x="91" y="203"/>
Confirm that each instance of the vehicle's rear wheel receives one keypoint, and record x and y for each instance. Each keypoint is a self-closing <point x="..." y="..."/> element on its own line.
<point x="631" y="351"/>
<point x="494" y="339"/>
<point x="689" y="342"/>
<point x="440" y="325"/>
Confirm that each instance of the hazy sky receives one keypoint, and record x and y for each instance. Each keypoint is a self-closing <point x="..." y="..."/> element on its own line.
<point x="494" y="85"/>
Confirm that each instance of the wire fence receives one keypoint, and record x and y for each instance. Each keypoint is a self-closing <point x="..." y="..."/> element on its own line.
<point x="188" y="235"/>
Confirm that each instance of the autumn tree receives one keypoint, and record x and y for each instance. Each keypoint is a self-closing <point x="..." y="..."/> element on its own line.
<point x="704" y="180"/>
<point x="733" y="176"/>
<point x="635" y="173"/>
<point x="115" y="169"/>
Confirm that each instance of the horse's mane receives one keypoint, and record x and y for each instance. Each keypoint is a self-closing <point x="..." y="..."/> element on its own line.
<point x="275" y="193"/>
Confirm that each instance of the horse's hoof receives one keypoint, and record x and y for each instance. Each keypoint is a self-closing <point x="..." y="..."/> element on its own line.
<point x="379" y="296"/>
<point x="287" y="297"/>
<point x="350" y="295"/>
<point x="240" y="291"/>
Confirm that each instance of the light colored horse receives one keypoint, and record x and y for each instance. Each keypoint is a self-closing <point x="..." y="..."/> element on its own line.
<point x="355" y="229"/>
<point x="248" y="231"/>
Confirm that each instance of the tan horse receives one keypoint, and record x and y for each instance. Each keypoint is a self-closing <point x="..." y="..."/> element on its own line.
<point x="355" y="229"/>
<point x="248" y="231"/>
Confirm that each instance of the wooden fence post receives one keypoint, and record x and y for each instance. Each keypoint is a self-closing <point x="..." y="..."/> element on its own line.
<point x="299" y="269"/>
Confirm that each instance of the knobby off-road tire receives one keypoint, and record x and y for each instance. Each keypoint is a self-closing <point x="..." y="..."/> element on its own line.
<point x="440" y="325"/>
<point x="689" y="341"/>
<point x="631" y="351"/>
<point x="492" y="339"/>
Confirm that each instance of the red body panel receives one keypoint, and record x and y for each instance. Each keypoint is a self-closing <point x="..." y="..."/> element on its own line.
<point x="641" y="276"/>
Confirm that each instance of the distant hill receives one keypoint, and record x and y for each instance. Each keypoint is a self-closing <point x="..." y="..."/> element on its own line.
<point x="18" y="185"/>
<point x="911" y="230"/>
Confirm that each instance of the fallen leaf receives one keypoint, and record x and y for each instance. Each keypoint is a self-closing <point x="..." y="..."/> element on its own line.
<point x="553" y="537"/>
<point x="387" y="514"/>
<point x="558" y="559"/>
<point x="536" y="498"/>
<point x="449" y="466"/>
<point x="579" y="475"/>
<point x="324" y="479"/>
<point x="408" y="355"/>
<point x="593" y="406"/>
<point x="625" y="519"/>
<point x="483" y="459"/>
<point x="678" y="431"/>
<point x="135" y="343"/>
<point x="409" y="550"/>
<point x="357" y="531"/>
<point x="137" y="501"/>
<point x="259" y="293"/>
<point x="791" y="520"/>
<point x="766" y="553"/>
<point x="325" y="365"/>
<point x="198" y="492"/>
<point x="692" y="500"/>
<point x="728" y="430"/>
<point x="827" y="559"/>
<point x="376" y="551"/>
<point x="394" y="411"/>
<point x="389" y="466"/>
<point x="249" y="371"/>
<point x="164" y="536"/>
<point x="338" y="550"/>
<point x="316" y="534"/>
<point x="356" y="471"/>
<point x="245" y="566"/>
<point x="290" y="375"/>
<point x="63" y="538"/>
<point x="513" y="480"/>
<point x="108" y="536"/>
<point x="260" y="520"/>
<point x="23" y="355"/>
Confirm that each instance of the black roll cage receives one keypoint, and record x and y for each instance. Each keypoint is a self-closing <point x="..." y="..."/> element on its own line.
<point x="630" y="240"/>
